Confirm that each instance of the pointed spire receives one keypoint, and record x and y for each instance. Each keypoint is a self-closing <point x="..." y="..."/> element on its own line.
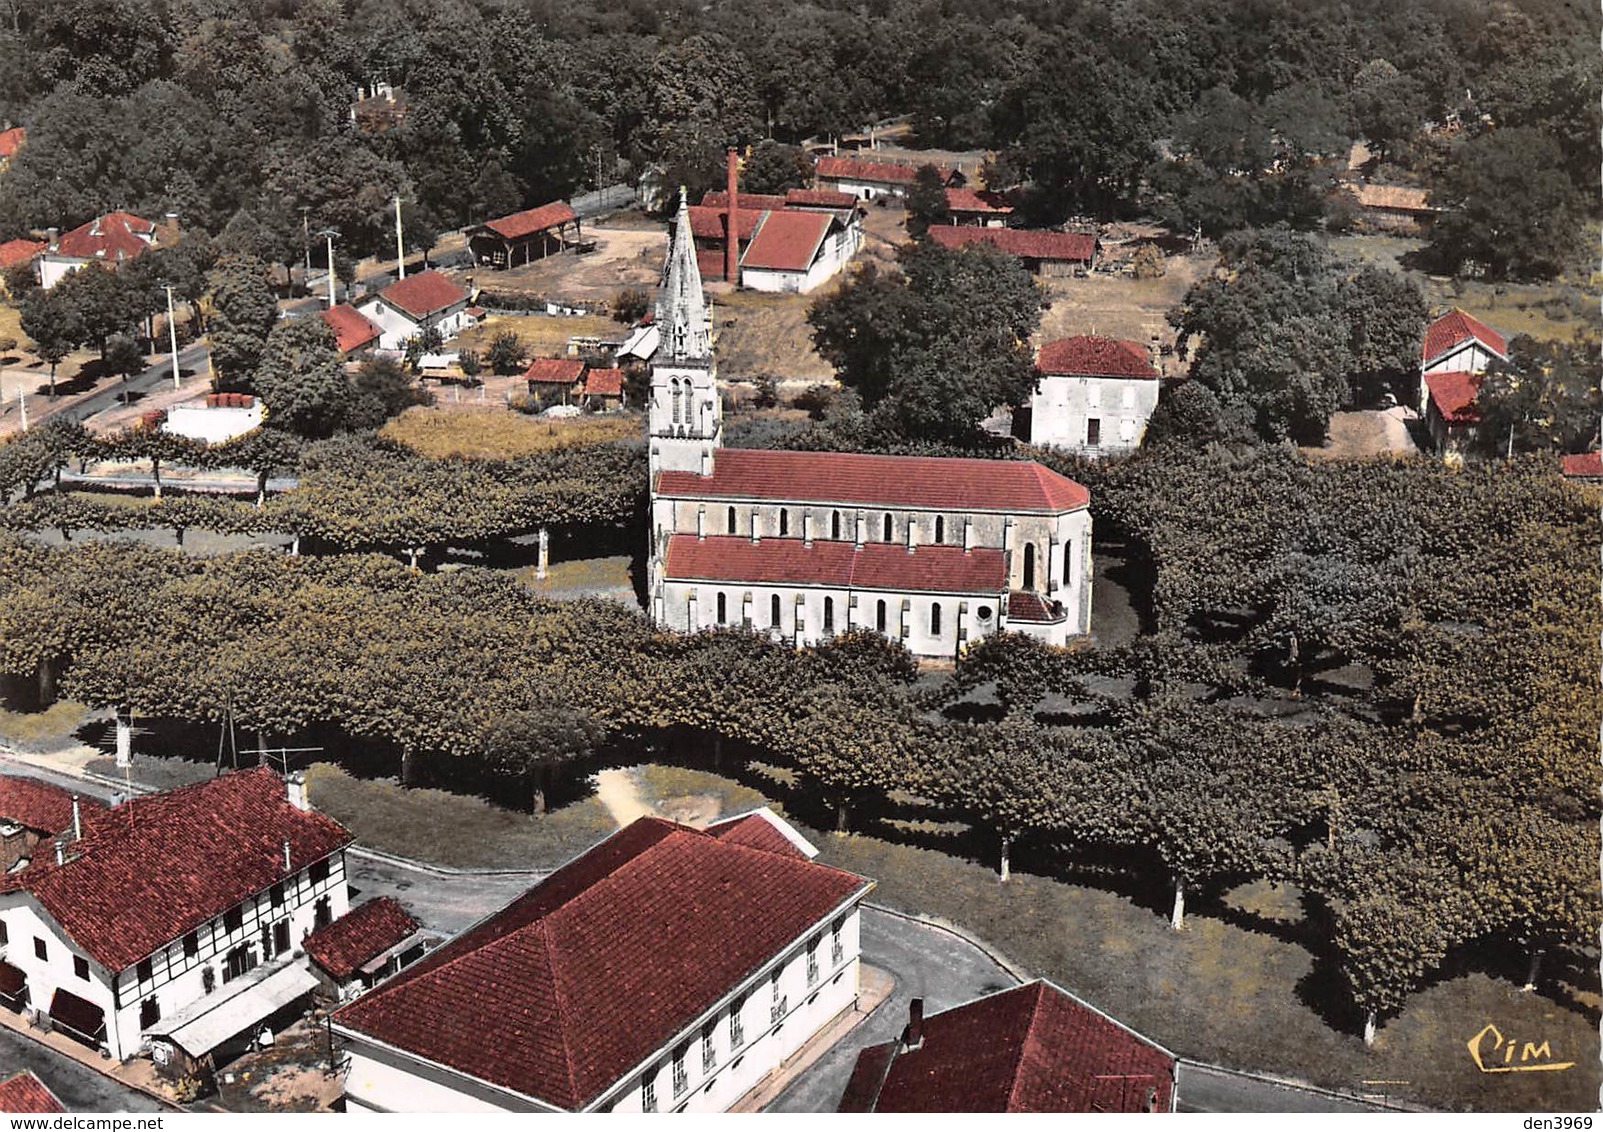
<point x="681" y="307"/>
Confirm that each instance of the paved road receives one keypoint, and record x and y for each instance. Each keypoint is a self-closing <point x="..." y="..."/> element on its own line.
<point x="1205" y="1089"/>
<point x="80" y="1088"/>
<point x="190" y="360"/>
<point x="226" y="484"/>
<point x="444" y="902"/>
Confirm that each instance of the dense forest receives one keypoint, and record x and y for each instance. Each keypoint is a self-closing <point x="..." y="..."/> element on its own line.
<point x="1214" y="114"/>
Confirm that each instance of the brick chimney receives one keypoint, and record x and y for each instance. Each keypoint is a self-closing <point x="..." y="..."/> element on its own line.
<point x="732" y="223"/>
<point x="913" y="1036"/>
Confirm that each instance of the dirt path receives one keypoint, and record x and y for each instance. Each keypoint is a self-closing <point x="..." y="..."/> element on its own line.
<point x="617" y="790"/>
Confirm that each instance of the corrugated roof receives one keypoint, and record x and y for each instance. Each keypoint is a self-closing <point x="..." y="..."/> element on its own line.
<point x="929" y="483"/>
<point x="875" y="566"/>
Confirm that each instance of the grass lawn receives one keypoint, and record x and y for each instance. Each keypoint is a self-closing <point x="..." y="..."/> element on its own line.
<point x="582" y="577"/>
<point x="546" y="335"/>
<point x="492" y="433"/>
<point x="11" y="327"/>
<point x="43" y="730"/>
<point x="1236" y="987"/>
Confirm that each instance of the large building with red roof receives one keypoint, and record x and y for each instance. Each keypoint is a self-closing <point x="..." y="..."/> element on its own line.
<point x="111" y="239"/>
<point x="935" y="553"/>
<point x="1043" y="252"/>
<point x="1034" y="1048"/>
<point x="867" y="179"/>
<point x="173" y="920"/>
<point x="1094" y="397"/>
<point x="409" y="306"/>
<point x="666" y="969"/>
<point x="523" y="237"/>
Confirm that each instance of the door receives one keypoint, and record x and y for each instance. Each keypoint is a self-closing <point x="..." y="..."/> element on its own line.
<point x="1093" y="432"/>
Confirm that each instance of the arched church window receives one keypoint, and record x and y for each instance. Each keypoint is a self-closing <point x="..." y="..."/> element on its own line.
<point x="834" y="525"/>
<point x="773" y="611"/>
<point x="1029" y="565"/>
<point x="829" y="615"/>
<point x="889" y="532"/>
<point x="723" y="609"/>
<point x="731" y="520"/>
<point x="784" y="522"/>
<point x="935" y="619"/>
<point x="940" y="528"/>
<point x="879" y="616"/>
<point x="676" y="400"/>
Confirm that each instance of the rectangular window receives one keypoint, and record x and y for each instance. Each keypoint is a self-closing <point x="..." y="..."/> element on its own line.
<point x="149" y="1013"/>
<point x="142" y="971"/>
<point x="1093" y="432"/>
<point x="80" y="967"/>
<point x="837" y="946"/>
<point x="1129" y="397"/>
<point x="4" y="938"/>
<point x="812" y="963"/>
<point x="276" y="894"/>
<point x="39" y="950"/>
<point x="1127" y="429"/>
<point x="780" y="1004"/>
<point x="322" y="913"/>
<point x="318" y="872"/>
<point x="737" y="1025"/>
<point x="709" y="1051"/>
<point x="234" y="918"/>
<point x="681" y="1077"/>
<point x="281" y="936"/>
<point x="648" y="1091"/>
<point x="238" y="962"/>
<point x="191" y="945"/>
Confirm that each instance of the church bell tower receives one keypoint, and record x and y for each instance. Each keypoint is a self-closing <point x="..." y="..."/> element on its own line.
<point x="686" y="418"/>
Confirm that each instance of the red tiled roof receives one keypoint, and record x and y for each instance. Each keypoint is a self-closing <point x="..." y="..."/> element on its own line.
<point x="604" y="382"/>
<point x="532" y="220"/>
<point x="574" y="983"/>
<point x="877" y="566"/>
<point x="352" y="329"/>
<point x="757" y="202"/>
<point x="787" y="241"/>
<point x="1027" y="243"/>
<point x="555" y="371"/>
<point x="11" y="140"/>
<point x="1025" y="605"/>
<point x="708" y="223"/>
<point x="13" y="252"/>
<point x="1453" y="394"/>
<point x="1029" y="1049"/>
<point x="931" y="483"/>
<point x="1454" y="329"/>
<point x="343" y="946"/>
<point x="1090" y="355"/>
<point x="756" y="831"/>
<point x="158" y="866"/>
<point x="881" y="172"/>
<point x="110" y="238"/>
<point x="819" y="198"/>
<point x="26" y="1093"/>
<point x="39" y="805"/>
<point x="977" y="200"/>
<point x="422" y="294"/>
<point x="1584" y="465"/>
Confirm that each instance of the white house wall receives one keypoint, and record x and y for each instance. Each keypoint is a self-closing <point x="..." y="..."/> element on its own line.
<point x="1061" y="408"/>
<point x="212" y="424"/>
<point x="396" y="327"/>
<point x="54" y="268"/>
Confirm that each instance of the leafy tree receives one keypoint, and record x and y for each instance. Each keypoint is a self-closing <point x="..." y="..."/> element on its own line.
<point x="468" y="362"/>
<point x="506" y="354"/>
<point x="1386" y="317"/>
<point x="773" y="167"/>
<point x="926" y="202"/>
<point x="1546" y="396"/>
<point x="103" y="304"/>
<point x="1509" y="208"/>
<point x="302" y="379"/>
<point x="54" y="325"/>
<point x="244" y="314"/>
<point x="123" y="356"/>
<point x="532" y="745"/>
<point x="383" y="390"/>
<point x="1387" y="105"/>
<point x="630" y="305"/>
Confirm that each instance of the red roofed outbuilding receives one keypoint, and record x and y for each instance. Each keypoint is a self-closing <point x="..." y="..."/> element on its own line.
<point x="1043" y="252"/>
<point x="667" y="968"/>
<point x="523" y="237"/>
<point x="1584" y="466"/>
<point x="978" y="208"/>
<point x="1457" y="342"/>
<point x="354" y="332"/>
<point x="365" y="946"/>
<point x="555" y="381"/>
<point x="866" y="179"/>
<point x="23" y="1092"/>
<point x="175" y="917"/>
<point x="1034" y="1048"/>
<point x="11" y="141"/>
<point x="1450" y="412"/>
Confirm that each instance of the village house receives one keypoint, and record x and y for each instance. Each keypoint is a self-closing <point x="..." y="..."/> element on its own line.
<point x="1401" y="209"/>
<point x="11" y="141"/>
<point x="783" y="243"/>
<point x="604" y="389"/>
<point x="555" y="381"/>
<point x="354" y="332"/>
<point x="1043" y="252"/>
<point x="936" y="553"/>
<point x="1034" y="1048"/>
<point x="977" y="208"/>
<point x="365" y="946"/>
<point x="172" y="920"/>
<point x="32" y="811"/>
<point x="1094" y="397"/>
<point x="1456" y="351"/>
<point x="524" y="237"/>
<point x="867" y="180"/>
<point x="14" y="253"/>
<point x="110" y="239"/>
<point x="407" y="307"/>
<point x="666" y="969"/>
<point x="24" y="1092"/>
<point x="218" y="418"/>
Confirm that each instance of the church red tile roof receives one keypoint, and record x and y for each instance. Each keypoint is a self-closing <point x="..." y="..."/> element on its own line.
<point x="977" y="200"/>
<point x="344" y="945"/>
<point x="930" y="483"/>
<point x="1026" y="605"/>
<point x="532" y="220"/>
<point x="158" y="866"/>
<point x="26" y="1093"/>
<point x="877" y="566"/>
<point x="1584" y="465"/>
<point x="11" y="140"/>
<point x="423" y="294"/>
<point x="40" y="805"/>
<point x="1091" y="355"/>
<point x="13" y="252"/>
<point x="1026" y="243"/>
<point x="111" y="238"/>
<point x="787" y="241"/>
<point x="1454" y="329"/>
<point x="1453" y="394"/>
<point x="708" y="223"/>
<point x="555" y="371"/>
<point x="1029" y="1049"/>
<point x="874" y="172"/>
<point x="581" y="978"/>
<point x="352" y="329"/>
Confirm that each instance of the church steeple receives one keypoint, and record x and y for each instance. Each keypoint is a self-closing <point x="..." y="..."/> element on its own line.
<point x="682" y="316"/>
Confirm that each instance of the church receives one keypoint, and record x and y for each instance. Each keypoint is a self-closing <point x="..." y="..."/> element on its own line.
<point x="936" y="553"/>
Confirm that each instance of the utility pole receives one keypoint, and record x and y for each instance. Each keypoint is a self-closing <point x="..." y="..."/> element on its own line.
<point x="22" y="403"/>
<point x="328" y="234"/>
<point x="306" y="242"/>
<point x="172" y="332"/>
<point x="400" y="252"/>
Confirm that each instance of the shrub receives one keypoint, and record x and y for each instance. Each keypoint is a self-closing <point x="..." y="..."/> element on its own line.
<point x="630" y="305"/>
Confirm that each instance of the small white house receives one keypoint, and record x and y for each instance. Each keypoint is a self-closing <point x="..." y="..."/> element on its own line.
<point x="1094" y="397"/>
<point x="796" y="250"/>
<point x="666" y="969"/>
<point x="404" y="308"/>
<point x="1457" y="343"/>
<point x="172" y="921"/>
